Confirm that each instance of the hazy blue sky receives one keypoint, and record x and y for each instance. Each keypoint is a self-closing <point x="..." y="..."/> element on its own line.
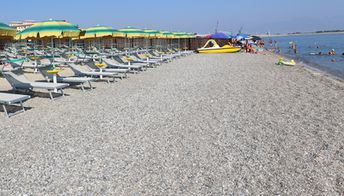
<point x="185" y="15"/>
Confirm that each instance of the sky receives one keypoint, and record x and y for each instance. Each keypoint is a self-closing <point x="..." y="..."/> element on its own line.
<point x="198" y="16"/>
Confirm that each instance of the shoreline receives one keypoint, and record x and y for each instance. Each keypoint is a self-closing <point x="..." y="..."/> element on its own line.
<point x="308" y="66"/>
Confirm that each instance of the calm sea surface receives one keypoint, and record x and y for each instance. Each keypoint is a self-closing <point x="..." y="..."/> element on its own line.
<point x="308" y="48"/>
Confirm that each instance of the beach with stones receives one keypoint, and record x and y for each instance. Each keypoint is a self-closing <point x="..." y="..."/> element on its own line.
<point x="202" y="125"/>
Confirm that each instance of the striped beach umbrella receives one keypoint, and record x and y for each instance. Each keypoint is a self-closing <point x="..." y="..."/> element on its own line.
<point x="133" y="32"/>
<point x="51" y="28"/>
<point x="101" y="31"/>
<point x="190" y="35"/>
<point x="180" y="35"/>
<point x="168" y="34"/>
<point x="7" y="31"/>
<point x="151" y="33"/>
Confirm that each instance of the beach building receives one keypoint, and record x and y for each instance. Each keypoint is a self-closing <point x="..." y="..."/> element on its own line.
<point x="22" y="25"/>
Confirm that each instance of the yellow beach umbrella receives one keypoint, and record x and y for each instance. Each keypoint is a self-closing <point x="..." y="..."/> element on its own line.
<point x="101" y="31"/>
<point x="51" y="28"/>
<point x="133" y="32"/>
<point x="7" y="31"/>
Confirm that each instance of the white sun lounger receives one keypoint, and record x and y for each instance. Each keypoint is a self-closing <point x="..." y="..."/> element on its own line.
<point x="70" y="80"/>
<point x="12" y="99"/>
<point x="20" y="82"/>
<point x="79" y="72"/>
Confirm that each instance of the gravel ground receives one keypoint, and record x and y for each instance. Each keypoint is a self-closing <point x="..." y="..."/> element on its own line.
<point x="201" y="125"/>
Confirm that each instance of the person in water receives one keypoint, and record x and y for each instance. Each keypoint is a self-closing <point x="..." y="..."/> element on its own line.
<point x="294" y="47"/>
<point x="332" y="52"/>
<point x="320" y="53"/>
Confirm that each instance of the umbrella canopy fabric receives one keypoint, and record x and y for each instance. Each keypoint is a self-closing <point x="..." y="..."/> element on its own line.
<point x="220" y="35"/>
<point x="242" y="36"/>
<point x="166" y="34"/>
<point x="191" y="35"/>
<point x="151" y="33"/>
<point x="51" y="28"/>
<point x="101" y="31"/>
<point x="7" y="31"/>
<point x="133" y="32"/>
<point x="255" y="38"/>
<point x="180" y="35"/>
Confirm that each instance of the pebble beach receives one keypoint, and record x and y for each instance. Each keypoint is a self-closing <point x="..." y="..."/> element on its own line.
<point x="202" y="125"/>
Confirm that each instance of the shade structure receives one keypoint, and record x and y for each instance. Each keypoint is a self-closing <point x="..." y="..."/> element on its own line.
<point x="220" y="35"/>
<point x="133" y="32"/>
<point x="51" y="28"/>
<point x="242" y="36"/>
<point x="151" y="33"/>
<point x="101" y="31"/>
<point x="166" y="34"/>
<point x="180" y="35"/>
<point x="191" y="35"/>
<point x="255" y="38"/>
<point x="7" y="31"/>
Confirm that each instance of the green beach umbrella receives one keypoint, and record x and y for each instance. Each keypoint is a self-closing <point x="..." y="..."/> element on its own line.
<point x="180" y="35"/>
<point x="101" y="31"/>
<point x="51" y="28"/>
<point x="167" y="34"/>
<point x="133" y="32"/>
<point x="7" y="31"/>
<point x="150" y="33"/>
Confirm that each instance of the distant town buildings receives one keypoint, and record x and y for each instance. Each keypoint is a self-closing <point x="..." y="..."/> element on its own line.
<point x="22" y="25"/>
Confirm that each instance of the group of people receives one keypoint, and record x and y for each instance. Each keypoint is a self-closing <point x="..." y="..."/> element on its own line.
<point x="253" y="47"/>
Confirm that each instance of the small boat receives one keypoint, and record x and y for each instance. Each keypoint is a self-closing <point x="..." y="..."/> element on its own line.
<point x="212" y="47"/>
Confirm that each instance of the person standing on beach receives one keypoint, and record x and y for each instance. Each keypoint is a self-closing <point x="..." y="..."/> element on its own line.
<point x="277" y="48"/>
<point x="294" y="47"/>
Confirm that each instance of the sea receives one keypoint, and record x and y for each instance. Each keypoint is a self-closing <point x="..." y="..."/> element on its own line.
<point x="308" y="49"/>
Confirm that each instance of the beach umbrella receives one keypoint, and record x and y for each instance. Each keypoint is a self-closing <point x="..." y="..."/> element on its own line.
<point x="181" y="36"/>
<point x="242" y="36"/>
<point x="220" y="35"/>
<point x="101" y="31"/>
<point x="51" y="28"/>
<point x="133" y="33"/>
<point x="150" y="35"/>
<point x="255" y="38"/>
<point x="167" y="35"/>
<point x="7" y="31"/>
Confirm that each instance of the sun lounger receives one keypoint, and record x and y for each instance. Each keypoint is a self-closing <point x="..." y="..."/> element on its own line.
<point x="12" y="99"/>
<point x="115" y="64"/>
<point x="73" y="80"/>
<point x="20" y="82"/>
<point x="122" y="71"/>
<point x="23" y="63"/>
<point x="79" y="72"/>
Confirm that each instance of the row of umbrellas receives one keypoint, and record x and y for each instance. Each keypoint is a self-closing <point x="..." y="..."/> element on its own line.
<point x="64" y="29"/>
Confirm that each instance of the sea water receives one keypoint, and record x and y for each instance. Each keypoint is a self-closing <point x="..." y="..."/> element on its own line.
<point x="308" y="48"/>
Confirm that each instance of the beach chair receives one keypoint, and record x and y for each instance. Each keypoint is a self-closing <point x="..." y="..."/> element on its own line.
<point x="12" y="99"/>
<point x="127" y="60"/>
<point x="20" y="82"/>
<point x="115" y="64"/>
<point x="78" y="71"/>
<point x="73" y="80"/>
<point x="122" y="71"/>
<point x="146" y="59"/>
<point x="24" y="63"/>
